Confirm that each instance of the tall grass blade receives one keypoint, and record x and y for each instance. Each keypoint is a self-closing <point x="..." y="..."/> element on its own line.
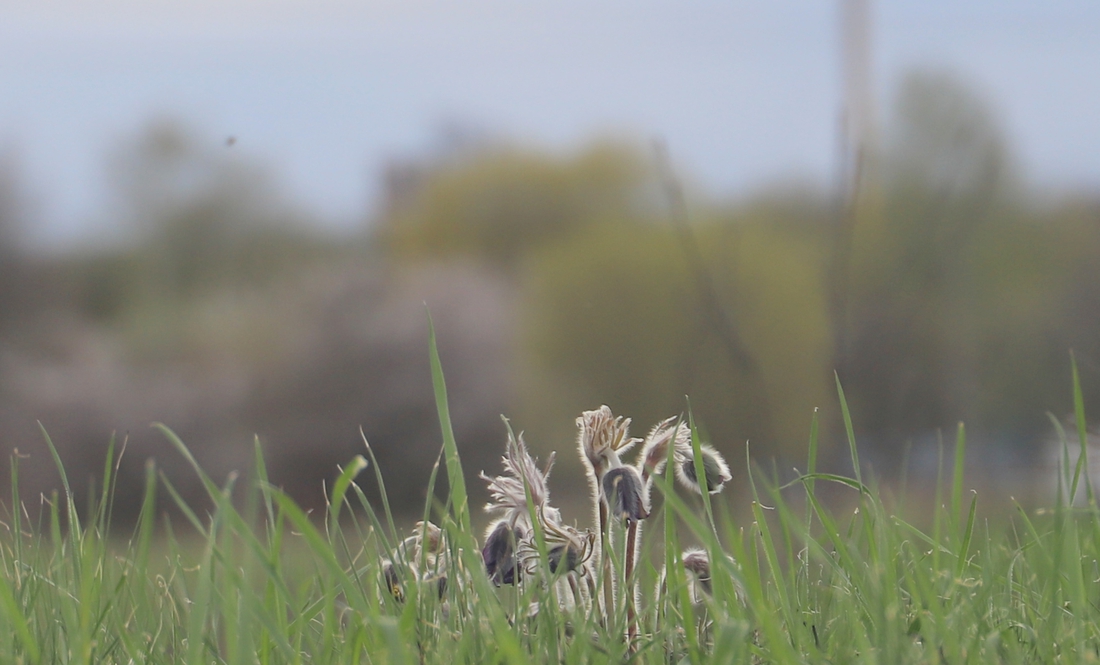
<point x="381" y="487"/>
<point x="340" y="489"/>
<point x="455" y="478"/>
<point x="957" y="475"/>
<point x="70" y="504"/>
<point x="17" y="621"/>
<point x="967" y="536"/>
<point x="849" y="431"/>
<point x="1082" y="435"/>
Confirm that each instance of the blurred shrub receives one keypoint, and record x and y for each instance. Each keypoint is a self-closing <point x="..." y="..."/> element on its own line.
<point x="611" y="307"/>
<point x="614" y="313"/>
<point x="958" y="283"/>
<point x="495" y="205"/>
<point x="943" y="294"/>
<point x="218" y="310"/>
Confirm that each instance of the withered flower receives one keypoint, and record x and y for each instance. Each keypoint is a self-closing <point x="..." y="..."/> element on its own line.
<point x="422" y="556"/>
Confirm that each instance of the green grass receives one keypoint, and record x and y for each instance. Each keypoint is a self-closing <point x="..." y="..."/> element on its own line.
<point x="259" y="581"/>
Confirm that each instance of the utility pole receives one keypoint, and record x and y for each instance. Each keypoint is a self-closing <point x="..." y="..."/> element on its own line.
<point x="858" y="77"/>
<point x="856" y="147"/>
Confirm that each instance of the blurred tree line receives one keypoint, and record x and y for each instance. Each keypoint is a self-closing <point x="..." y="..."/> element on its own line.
<point x="218" y="308"/>
<point x="942" y="290"/>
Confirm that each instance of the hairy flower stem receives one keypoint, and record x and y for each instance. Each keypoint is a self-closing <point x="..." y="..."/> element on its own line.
<point x="578" y="598"/>
<point x="628" y="584"/>
<point x="605" y="555"/>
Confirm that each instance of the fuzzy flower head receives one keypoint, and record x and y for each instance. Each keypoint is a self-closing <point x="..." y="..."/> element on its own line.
<point x="669" y="432"/>
<point x="603" y="438"/>
<point x="697" y="564"/>
<point x="425" y="544"/>
<point x="499" y="553"/>
<point x="521" y="475"/>
<point x="714" y="467"/>
<point x="567" y="549"/>
<point x="625" y="494"/>
<point x="422" y="556"/>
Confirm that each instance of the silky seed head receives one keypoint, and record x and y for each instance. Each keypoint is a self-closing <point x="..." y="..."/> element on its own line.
<point x="521" y="477"/>
<point x="429" y="537"/>
<point x="566" y="548"/>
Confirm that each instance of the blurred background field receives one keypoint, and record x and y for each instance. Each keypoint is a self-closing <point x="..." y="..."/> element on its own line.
<point x="233" y="220"/>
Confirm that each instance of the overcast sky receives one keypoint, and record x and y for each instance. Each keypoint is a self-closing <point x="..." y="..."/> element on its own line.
<point x="323" y="91"/>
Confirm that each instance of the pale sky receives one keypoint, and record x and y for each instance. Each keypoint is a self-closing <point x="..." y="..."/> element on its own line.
<point x="744" y="93"/>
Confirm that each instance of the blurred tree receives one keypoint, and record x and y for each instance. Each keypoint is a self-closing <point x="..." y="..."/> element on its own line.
<point x="160" y="326"/>
<point x="614" y="310"/>
<point x="494" y="205"/>
<point x="949" y="300"/>
<point x="1076" y="250"/>
<point x="615" y="317"/>
<point x="222" y="313"/>
<point x="197" y="226"/>
<point x="206" y="219"/>
<point x="15" y="296"/>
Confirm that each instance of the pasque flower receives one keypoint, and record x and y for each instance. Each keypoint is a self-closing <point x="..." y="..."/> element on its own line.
<point x="670" y="431"/>
<point x="422" y="556"/>
<point x="521" y="476"/>
<point x="603" y="438"/>
<point x="499" y="553"/>
<point x="714" y="467"/>
<point x="625" y="494"/>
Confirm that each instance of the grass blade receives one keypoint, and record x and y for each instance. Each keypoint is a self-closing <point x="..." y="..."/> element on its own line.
<point x="455" y="478"/>
<point x="850" y="432"/>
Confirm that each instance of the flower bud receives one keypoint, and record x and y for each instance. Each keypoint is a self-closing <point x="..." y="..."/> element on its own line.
<point x="697" y="563"/>
<point x="655" y="449"/>
<point x="622" y="490"/>
<point x="717" y="473"/>
<point x="563" y="554"/>
<point x="393" y="581"/>
<point x="499" y="553"/>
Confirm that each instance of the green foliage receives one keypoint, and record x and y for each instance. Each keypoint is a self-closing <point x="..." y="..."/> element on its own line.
<point x="208" y="256"/>
<point x="955" y="283"/>
<point x="615" y="313"/>
<point x="939" y="293"/>
<point x="264" y="583"/>
<point x="500" y="204"/>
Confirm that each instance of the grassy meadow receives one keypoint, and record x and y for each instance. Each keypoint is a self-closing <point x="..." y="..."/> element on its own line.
<point x="258" y="580"/>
